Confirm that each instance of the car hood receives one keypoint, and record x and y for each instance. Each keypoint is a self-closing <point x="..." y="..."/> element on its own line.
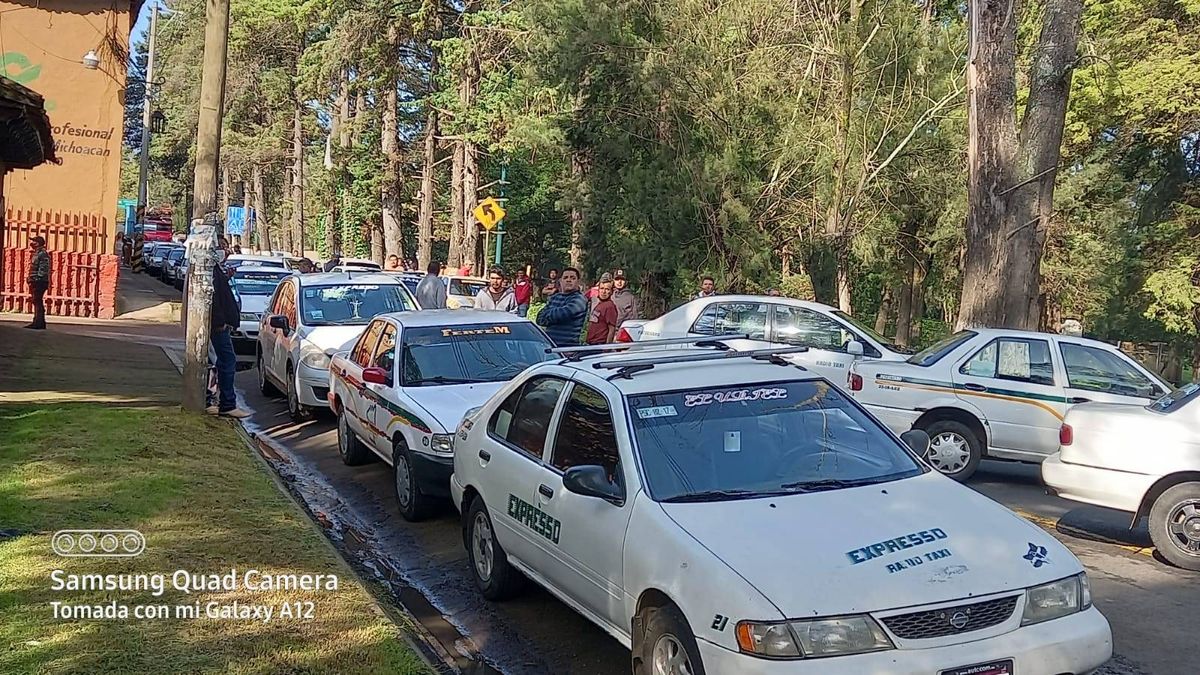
<point x="829" y="553"/>
<point x="337" y="338"/>
<point x="448" y="403"/>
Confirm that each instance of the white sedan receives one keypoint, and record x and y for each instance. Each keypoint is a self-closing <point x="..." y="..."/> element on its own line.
<point x="833" y="338"/>
<point x="1145" y="461"/>
<point x="726" y="513"/>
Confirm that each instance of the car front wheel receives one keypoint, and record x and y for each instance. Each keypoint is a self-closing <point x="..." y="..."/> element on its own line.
<point x="1175" y="525"/>
<point x="668" y="646"/>
<point x="954" y="449"/>
<point x="496" y="579"/>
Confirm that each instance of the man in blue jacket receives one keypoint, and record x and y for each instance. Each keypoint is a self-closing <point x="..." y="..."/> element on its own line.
<point x="565" y="311"/>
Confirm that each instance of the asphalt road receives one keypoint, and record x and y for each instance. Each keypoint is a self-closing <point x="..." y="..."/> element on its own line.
<point x="1152" y="607"/>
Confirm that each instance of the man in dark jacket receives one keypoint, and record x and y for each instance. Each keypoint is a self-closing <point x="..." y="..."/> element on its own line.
<point x="39" y="281"/>
<point x="226" y="316"/>
<point x="565" y="311"/>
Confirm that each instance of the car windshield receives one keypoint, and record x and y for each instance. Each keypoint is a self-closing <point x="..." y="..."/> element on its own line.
<point x="758" y="440"/>
<point x="460" y="354"/>
<point x="257" y="282"/>
<point x="468" y="288"/>
<point x="351" y="304"/>
<point x="870" y="332"/>
<point x="936" y="351"/>
<point x="1176" y="399"/>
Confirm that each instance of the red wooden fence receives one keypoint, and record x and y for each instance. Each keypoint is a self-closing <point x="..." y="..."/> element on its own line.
<point x="83" y="278"/>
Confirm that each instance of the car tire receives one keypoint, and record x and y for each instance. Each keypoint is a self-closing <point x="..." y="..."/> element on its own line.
<point x="415" y="506"/>
<point x="296" y="410"/>
<point x="264" y="383"/>
<point x="493" y="575"/>
<point x="668" y="646"/>
<point x="954" y="450"/>
<point x="351" y="448"/>
<point x="1175" y="525"/>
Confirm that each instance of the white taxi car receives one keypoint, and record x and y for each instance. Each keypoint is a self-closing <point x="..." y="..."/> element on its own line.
<point x="401" y="391"/>
<point x="833" y="337"/>
<point x="312" y="316"/>
<point x="1100" y="462"/>
<point x="728" y="513"/>
<point x="998" y="393"/>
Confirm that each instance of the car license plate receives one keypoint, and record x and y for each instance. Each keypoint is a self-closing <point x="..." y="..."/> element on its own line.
<point x="994" y="668"/>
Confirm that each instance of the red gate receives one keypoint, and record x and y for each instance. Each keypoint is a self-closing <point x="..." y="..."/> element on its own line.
<point x="83" y="277"/>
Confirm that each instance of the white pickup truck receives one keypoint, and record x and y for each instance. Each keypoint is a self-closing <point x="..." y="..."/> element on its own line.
<point x="998" y="393"/>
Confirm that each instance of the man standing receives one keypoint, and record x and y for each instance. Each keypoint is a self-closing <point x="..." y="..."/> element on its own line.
<point x="565" y="311"/>
<point x="39" y="281"/>
<point x="334" y="261"/>
<point x="495" y="295"/>
<point x="708" y="288"/>
<point x="225" y="318"/>
<point x="523" y="292"/>
<point x="431" y="290"/>
<point x="553" y="275"/>
<point x="602" y="322"/>
<point x="626" y="301"/>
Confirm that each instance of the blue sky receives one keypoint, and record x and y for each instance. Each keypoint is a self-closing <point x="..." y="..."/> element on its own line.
<point x="142" y="25"/>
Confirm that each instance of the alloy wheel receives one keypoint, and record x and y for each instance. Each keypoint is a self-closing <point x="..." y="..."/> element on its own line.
<point x="403" y="480"/>
<point x="670" y="658"/>
<point x="482" y="546"/>
<point x="1183" y="526"/>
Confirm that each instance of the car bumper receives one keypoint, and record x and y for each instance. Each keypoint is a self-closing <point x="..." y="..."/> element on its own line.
<point x="456" y="492"/>
<point x="898" y="420"/>
<point x="314" y="387"/>
<point x="1113" y="489"/>
<point x="432" y="473"/>
<point x="1072" y="645"/>
<point x="245" y="342"/>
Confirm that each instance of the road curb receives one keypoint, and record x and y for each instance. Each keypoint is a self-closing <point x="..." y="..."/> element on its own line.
<point x="1055" y="525"/>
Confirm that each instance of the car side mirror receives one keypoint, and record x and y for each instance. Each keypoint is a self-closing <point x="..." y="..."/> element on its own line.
<point x="854" y="348"/>
<point x="376" y="375"/>
<point x="916" y="439"/>
<point x="591" y="480"/>
<point x="279" y="321"/>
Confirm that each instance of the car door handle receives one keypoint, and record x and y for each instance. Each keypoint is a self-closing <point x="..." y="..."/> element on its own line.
<point x="485" y="455"/>
<point x="546" y="491"/>
<point x="1078" y="399"/>
<point x="974" y="387"/>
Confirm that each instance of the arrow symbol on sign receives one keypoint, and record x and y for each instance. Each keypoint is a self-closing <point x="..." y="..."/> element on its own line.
<point x="491" y="214"/>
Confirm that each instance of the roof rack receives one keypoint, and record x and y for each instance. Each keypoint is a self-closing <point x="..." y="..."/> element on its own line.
<point x="577" y="353"/>
<point x="627" y="368"/>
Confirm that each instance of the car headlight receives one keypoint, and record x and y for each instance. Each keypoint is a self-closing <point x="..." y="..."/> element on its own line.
<point x="1057" y="599"/>
<point x="250" y="316"/>
<point x="442" y="444"/>
<point x="838" y="636"/>
<point x="313" y="357"/>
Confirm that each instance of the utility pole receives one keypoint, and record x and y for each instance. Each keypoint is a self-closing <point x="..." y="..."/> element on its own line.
<point x="202" y="238"/>
<point x="500" y="225"/>
<point x="147" y="98"/>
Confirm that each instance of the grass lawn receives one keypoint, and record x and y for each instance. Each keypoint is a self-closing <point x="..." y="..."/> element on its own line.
<point x="205" y="506"/>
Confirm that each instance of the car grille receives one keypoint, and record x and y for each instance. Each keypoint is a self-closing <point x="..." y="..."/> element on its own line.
<point x="942" y="622"/>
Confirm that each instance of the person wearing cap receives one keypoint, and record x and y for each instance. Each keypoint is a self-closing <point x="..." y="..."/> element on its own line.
<point x="39" y="281"/>
<point x="624" y="299"/>
<point x="594" y="291"/>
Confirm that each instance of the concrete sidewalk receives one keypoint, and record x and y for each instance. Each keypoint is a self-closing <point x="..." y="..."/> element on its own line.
<point x="59" y="366"/>
<point x="142" y="297"/>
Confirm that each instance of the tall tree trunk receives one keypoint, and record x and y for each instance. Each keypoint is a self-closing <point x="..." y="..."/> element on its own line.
<point x="376" y="234"/>
<point x="248" y="215"/>
<point x="226" y="194"/>
<point x="885" y="311"/>
<point x="920" y="269"/>
<point x="425" y="214"/>
<point x="298" y="182"/>
<point x="260" y="209"/>
<point x="456" y="256"/>
<point x="578" y="223"/>
<point x="285" y="215"/>
<point x="393" y="240"/>
<point x="904" y="307"/>
<point x="836" y="216"/>
<point x="1010" y="179"/>
<point x="468" y="90"/>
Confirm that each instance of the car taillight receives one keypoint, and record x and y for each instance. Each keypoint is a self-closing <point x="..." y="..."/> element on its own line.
<point x="1066" y="435"/>
<point x="856" y="383"/>
<point x="623" y="336"/>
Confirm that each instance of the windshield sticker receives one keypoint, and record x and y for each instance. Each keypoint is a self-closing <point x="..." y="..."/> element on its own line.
<point x="735" y="396"/>
<point x="316" y="314"/>
<point x="656" y="411"/>
<point x="733" y="441"/>
<point x="310" y="293"/>
<point x="534" y="518"/>
<point x="862" y="555"/>
<point x="1036" y="555"/>
<point x="464" y="332"/>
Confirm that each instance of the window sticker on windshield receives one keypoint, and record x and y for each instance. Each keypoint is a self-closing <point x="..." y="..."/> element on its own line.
<point x="656" y="411"/>
<point x="733" y="441"/>
<point x="316" y="314"/>
<point x="735" y="396"/>
<point x="310" y="293"/>
<point x="463" y="332"/>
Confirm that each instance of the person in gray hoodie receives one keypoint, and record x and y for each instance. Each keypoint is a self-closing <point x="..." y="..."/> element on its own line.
<point x="496" y="296"/>
<point x="626" y="301"/>
<point x="431" y="290"/>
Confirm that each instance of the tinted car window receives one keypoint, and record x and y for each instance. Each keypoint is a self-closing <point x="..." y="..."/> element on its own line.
<point x="524" y="418"/>
<point x="1015" y="359"/>
<point x="733" y="318"/>
<point x="761" y="439"/>
<point x="937" y="351"/>
<point x="586" y="434"/>
<point x="385" y="353"/>
<point x="471" y="353"/>
<point x="366" y="344"/>
<point x="464" y="287"/>
<point x="352" y="304"/>
<point x="804" y="327"/>
<point x="1177" y="399"/>
<point x="1093" y="369"/>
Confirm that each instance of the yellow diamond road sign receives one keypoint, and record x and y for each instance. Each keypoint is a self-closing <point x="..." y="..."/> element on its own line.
<point x="488" y="213"/>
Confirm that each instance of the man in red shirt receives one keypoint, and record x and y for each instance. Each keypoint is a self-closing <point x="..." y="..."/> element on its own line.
<point x="522" y="291"/>
<point x="602" y="322"/>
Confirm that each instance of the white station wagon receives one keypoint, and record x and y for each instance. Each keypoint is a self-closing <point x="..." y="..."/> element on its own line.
<point x="1145" y="461"/>
<point x="725" y="512"/>
<point x="834" y="338"/>
<point x="998" y="393"/>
